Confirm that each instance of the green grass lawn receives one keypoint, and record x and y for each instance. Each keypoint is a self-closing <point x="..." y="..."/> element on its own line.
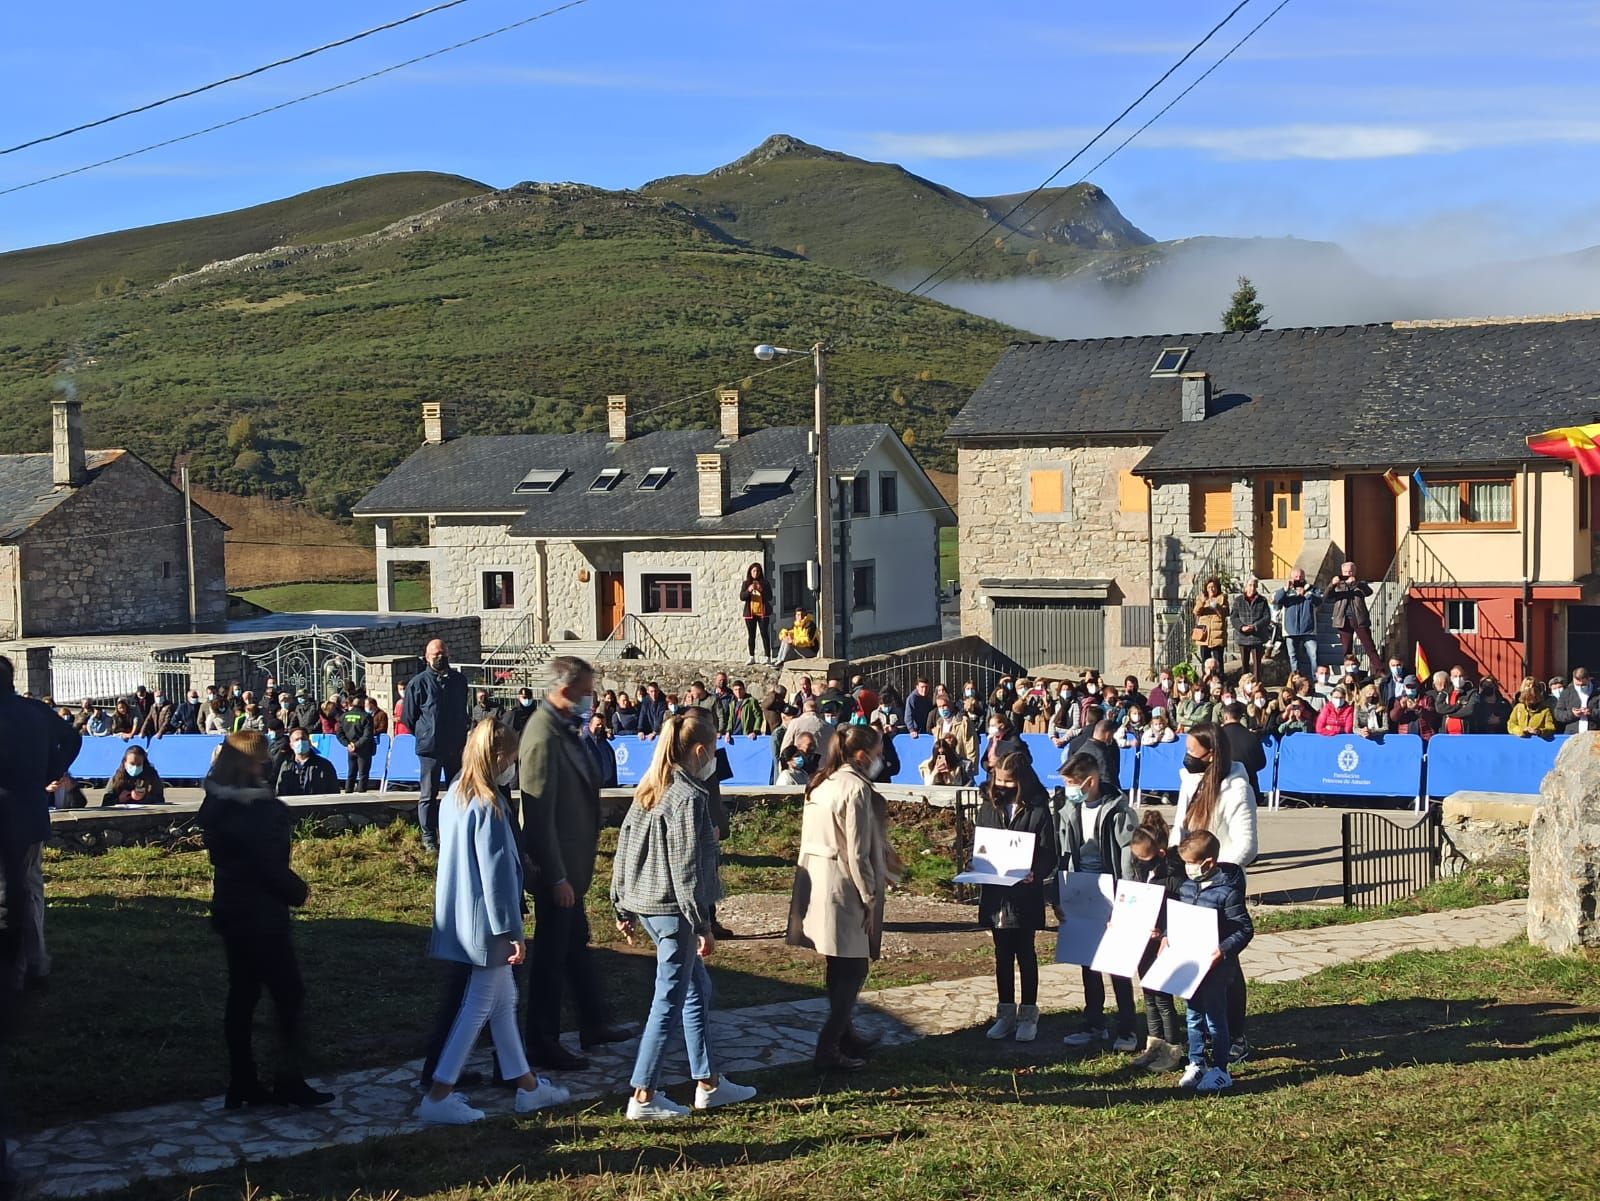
<point x="949" y="561"/>
<point x="410" y="596"/>
<point x="1469" y="1074"/>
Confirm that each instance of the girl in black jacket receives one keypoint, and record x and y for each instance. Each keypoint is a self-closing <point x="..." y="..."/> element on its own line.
<point x="1164" y="1049"/>
<point x="248" y="832"/>
<point x="1014" y="799"/>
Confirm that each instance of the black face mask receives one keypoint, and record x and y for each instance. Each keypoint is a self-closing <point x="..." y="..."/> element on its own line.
<point x="1191" y="763"/>
<point x="1003" y="794"/>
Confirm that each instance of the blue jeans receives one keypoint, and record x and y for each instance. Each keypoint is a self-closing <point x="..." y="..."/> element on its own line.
<point x="1208" y="1014"/>
<point x="1302" y="653"/>
<point x="682" y="983"/>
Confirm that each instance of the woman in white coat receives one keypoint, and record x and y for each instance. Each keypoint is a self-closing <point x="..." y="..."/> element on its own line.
<point x="1214" y="794"/>
<point x="846" y="866"/>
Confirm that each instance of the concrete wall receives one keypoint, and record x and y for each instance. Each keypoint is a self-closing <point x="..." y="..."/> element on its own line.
<point x="10" y="588"/>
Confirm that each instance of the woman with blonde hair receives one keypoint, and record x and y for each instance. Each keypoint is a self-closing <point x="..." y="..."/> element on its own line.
<point x="477" y="920"/>
<point x="664" y="878"/>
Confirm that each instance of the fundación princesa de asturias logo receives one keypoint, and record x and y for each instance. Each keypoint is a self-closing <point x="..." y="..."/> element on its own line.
<point x="1348" y="759"/>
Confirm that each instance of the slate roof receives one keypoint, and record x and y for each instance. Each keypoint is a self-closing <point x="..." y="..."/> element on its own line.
<point x="479" y="474"/>
<point x="27" y="492"/>
<point x="1335" y="397"/>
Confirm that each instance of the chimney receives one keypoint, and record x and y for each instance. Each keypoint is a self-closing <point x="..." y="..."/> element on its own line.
<point x="438" y="423"/>
<point x="728" y="406"/>
<point x="1196" y="395"/>
<point x="713" y="474"/>
<point x="617" y="423"/>
<point x="70" y="469"/>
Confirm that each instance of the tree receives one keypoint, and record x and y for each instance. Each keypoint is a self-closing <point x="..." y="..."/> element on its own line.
<point x="1244" y="314"/>
<point x="241" y="433"/>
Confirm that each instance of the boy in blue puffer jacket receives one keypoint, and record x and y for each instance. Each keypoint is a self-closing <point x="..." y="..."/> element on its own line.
<point x="1218" y="886"/>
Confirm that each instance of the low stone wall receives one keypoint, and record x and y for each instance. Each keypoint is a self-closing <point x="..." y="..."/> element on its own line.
<point x="1486" y="828"/>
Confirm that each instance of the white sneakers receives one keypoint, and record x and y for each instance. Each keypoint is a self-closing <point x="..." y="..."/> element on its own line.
<point x="1192" y="1076"/>
<point x="726" y="1093"/>
<point x="1005" y="1022"/>
<point x="542" y="1095"/>
<point x="1214" y="1081"/>
<point x="659" y="1108"/>
<point x="1082" y="1038"/>
<point x="452" y="1111"/>
<point x="662" y="1108"/>
<point x="1125" y="1042"/>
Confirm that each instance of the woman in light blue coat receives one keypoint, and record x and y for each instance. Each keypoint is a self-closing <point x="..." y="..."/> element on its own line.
<point x="477" y="920"/>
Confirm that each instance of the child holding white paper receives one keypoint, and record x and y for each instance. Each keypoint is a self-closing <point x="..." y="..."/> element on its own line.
<point x="1094" y="827"/>
<point x="1014" y="799"/>
<point x="1218" y="886"/>
<point x="1164" y="1040"/>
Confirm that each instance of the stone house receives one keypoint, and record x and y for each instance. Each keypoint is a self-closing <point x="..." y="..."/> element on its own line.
<point x="1160" y="461"/>
<point x="621" y="538"/>
<point x="93" y="542"/>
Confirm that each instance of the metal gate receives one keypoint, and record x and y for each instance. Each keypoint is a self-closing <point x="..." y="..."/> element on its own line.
<point x="903" y="675"/>
<point x="1039" y="632"/>
<point x="102" y="672"/>
<point x="1388" y="861"/>
<point x="323" y="664"/>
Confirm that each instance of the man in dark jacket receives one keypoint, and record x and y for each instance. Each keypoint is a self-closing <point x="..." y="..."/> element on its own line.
<point x="1351" y="618"/>
<point x="304" y="772"/>
<point x="1299" y="603"/>
<point x="561" y="833"/>
<point x="355" y="731"/>
<point x="436" y="711"/>
<point x="186" y="717"/>
<point x="652" y="711"/>
<point x="1575" y="709"/>
<point x="1244" y="745"/>
<point x="306" y="713"/>
<point x="598" y="743"/>
<point x="1252" y="625"/>
<point x="1457" y="704"/>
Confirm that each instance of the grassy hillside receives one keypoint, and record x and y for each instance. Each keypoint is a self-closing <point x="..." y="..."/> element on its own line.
<point x="303" y="376"/>
<point x="111" y="263"/>
<point x="879" y="219"/>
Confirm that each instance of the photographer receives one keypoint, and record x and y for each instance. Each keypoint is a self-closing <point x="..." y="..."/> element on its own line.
<point x="1351" y="617"/>
<point x="1299" y="603"/>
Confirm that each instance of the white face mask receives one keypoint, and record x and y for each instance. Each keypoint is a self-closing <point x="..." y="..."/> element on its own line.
<point x="507" y="776"/>
<point x="708" y="768"/>
<point x="1338" y="702"/>
<point x="1195" y="871"/>
<point x="874" y="766"/>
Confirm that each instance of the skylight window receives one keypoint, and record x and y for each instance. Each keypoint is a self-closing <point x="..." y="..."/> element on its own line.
<point x="1170" y="361"/>
<point x="654" y="479"/>
<point x="542" y="480"/>
<point x="606" y="480"/>
<point x="769" y="477"/>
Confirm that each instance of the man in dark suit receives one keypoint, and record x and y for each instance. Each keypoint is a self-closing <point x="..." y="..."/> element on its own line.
<point x="436" y="711"/>
<point x="597" y="741"/>
<point x="1574" y="708"/>
<point x="1244" y="745"/>
<point x="561" y="832"/>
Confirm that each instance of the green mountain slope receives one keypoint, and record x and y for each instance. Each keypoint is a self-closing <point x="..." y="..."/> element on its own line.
<point x="301" y="373"/>
<point x="110" y="263"/>
<point x="881" y="220"/>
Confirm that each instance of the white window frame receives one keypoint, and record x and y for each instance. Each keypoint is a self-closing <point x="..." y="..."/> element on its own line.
<point x="1451" y="626"/>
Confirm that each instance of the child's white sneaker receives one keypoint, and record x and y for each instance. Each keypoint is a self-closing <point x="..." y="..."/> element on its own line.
<point x="1083" y="1037"/>
<point x="541" y="1096"/>
<point x="659" y="1108"/>
<point x="726" y="1093"/>
<point x="1214" y="1081"/>
<point x="1005" y="1022"/>
<point x="1125" y="1042"/>
<point x="452" y="1111"/>
<point x="1192" y="1076"/>
<point x="1027" y="1023"/>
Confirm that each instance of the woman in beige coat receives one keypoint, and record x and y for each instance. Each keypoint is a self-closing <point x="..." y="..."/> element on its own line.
<point x="846" y="866"/>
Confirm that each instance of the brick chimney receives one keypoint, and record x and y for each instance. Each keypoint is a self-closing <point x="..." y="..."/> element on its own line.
<point x="438" y="423"/>
<point x="728" y="407"/>
<point x="70" y="468"/>
<point x="712" y="470"/>
<point x="1196" y="395"/>
<point x="618" y="425"/>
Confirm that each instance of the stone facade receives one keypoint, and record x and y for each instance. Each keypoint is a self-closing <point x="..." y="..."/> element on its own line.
<point x="1002" y="539"/>
<point x="1564" y="852"/>
<point x="111" y="559"/>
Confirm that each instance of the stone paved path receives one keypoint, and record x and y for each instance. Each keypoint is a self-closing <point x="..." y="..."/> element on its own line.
<point x="197" y="1136"/>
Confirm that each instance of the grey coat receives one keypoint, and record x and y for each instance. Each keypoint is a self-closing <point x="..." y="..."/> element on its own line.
<point x="561" y="801"/>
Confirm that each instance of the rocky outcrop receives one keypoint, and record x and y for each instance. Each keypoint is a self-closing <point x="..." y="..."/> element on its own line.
<point x="1564" y="852"/>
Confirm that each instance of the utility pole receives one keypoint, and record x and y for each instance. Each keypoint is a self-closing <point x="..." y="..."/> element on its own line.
<point x="826" y="618"/>
<point x="845" y="593"/>
<point x="188" y="537"/>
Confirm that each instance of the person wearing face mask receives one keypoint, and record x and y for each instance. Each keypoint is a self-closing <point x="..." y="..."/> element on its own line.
<point x="1214" y="884"/>
<point x="1003" y="740"/>
<point x="1494" y="710"/>
<point x="561" y="809"/>
<point x="1162" y="696"/>
<point x="1094" y="834"/>
<point x="1336" y="717"/>
<point x="1372" y="715"/>
<point x="1131" y="733"/>
<point x="1015" y="800"/>
<point x="1412" y="711"/>
<point x="436" y="711"/>
<point x="1159" y="730"/>
<point x="1251" y="618"/>
<point x="477" y="923"/>
<point x="135" y="782"/>
<point x="305" y="772"/>
<point x="841" y="882"/>
<point x="810" y="722"/>
<point x="1194" y="705"/>
<point x="798" y="762"/>
<point x="186" y="717"/>
<point x="355" y="732"/>
<point x="1457" y="704"/>
<point x="664" y="878"/>
<point x="947" y="768"/>
<point x="597" y="741"/>
<point x="951" y="724"/>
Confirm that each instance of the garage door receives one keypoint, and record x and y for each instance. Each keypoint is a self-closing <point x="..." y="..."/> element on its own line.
<point x="1037" y="632"/>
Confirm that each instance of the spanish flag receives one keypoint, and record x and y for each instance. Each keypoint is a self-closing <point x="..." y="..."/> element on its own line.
<point x="1423" y="673"/>
<point x="1396" y="484"/>
<point x="1574" y="443"/>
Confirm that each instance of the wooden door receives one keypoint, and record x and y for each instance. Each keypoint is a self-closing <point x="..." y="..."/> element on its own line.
<point x="612" y="606"/>
<point x="1280" y="525"/>
<point x="1369" y="522"/>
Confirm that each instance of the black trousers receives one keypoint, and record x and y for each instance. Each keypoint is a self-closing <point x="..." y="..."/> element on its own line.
<point x="843" y="979"/>
<point x="557" y="957"/>
<point x="1236" y="1000"/>
<point x="1161" y="1018"/>
<point x="257" y="962"/>
<point x="440" y="765"/>
<point x="751" y="625"/>
<point x="1094" y="1000"/>
<point x="358" y="777"/>
<point x="1014" y="952"/>
<point x="1251" y="657"/>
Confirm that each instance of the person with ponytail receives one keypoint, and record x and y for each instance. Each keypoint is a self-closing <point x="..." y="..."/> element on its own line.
<point x="1214" y="794"/>
<point x="664" y="878"/>
<point x="845" y="868"/>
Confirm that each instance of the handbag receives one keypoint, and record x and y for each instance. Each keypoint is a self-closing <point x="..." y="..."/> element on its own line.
<point x="1198" y="634"/>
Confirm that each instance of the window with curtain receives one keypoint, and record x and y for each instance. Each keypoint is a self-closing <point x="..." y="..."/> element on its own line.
<point x="1469" y="503"/>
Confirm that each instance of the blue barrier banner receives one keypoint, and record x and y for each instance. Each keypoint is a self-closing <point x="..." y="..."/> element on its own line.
<point x="1266" y="776"/>
<point x="750" y="759"/>
<point x="331" y="749"/>
<point x="98" y="758"/>
<point x="1489" y="762"/>
<point x="1346" y="765"/>
<point x="913" y="752"/>
<point x="1046" y="759"/>
<point x="1128" y="769"/>
<point x="402" y="761"/>
<point x="178" y="758"/>
<point x="1159" y="766"/>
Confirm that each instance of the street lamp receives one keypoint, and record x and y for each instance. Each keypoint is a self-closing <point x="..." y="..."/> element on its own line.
<point x="825" y="603"/>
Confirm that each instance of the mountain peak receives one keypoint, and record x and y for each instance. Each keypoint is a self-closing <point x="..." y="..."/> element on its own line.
<point x="779" y="145"/>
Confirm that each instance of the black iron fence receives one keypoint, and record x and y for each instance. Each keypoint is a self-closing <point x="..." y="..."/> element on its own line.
<point x="1386" y="860"/>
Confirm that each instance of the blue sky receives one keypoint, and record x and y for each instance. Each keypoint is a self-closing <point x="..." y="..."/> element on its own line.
<point x="1420" y="133"/>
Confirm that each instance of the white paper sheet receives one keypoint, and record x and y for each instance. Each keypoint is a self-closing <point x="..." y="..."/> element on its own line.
<point x="1087" y="903"/>
<point x="1191" y="941"/>
<point x="1002" y="857"/>
<point x="1134" y="914"/>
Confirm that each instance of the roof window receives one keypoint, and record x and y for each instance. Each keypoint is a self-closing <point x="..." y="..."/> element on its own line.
<point x="769" y="477"/>
<point x="654" y="479"/>
<point x="542" y="480"/>
<point x="606" y="480"/>
<point x="1170" y="361"/>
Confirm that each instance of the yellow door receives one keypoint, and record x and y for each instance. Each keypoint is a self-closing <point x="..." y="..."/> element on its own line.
<point x="1280" y="525"/>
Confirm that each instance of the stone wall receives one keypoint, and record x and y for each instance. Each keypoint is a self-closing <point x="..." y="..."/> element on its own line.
<point x="1001" y="539"/>
<point x="1486" y="828"/>
<point x="112" y="559"/>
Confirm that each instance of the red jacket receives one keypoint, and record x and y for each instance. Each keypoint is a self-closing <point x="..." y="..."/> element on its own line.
<point x="1334" y="720"/>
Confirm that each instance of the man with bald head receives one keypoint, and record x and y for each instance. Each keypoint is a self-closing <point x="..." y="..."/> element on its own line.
<point x="436" y="711"/>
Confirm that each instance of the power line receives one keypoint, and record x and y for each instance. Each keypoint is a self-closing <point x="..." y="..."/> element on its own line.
<point x="206" y="87"/>
<point x="1084" y="149"/>
<point x="261" y="112"/>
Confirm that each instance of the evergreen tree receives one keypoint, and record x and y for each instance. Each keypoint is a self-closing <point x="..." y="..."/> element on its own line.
<point x="1244" y="313"/>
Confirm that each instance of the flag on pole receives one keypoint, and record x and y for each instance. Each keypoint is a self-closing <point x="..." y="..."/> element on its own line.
<point x="1578" y="444"/>
<point x="1423" y="673"/>
<point x="1422" y="487"/>
<point x="1396" y="484"/>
